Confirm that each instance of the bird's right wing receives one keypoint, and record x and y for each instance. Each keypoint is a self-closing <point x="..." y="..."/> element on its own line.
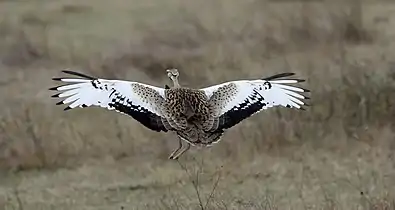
<point x="142" y="102"/>
<point x="232" y="102"/>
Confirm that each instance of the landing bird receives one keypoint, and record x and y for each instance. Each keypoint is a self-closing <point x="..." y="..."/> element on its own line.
<point x="199" y="117"/>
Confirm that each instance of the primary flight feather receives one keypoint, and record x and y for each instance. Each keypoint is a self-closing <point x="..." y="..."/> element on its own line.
<point x="198" y="116"/>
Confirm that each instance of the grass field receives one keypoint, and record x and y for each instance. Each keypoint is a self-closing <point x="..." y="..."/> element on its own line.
<point x="338" y="154"/>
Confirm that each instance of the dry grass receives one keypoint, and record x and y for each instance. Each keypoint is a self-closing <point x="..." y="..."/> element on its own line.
<point x="336" y="155"/>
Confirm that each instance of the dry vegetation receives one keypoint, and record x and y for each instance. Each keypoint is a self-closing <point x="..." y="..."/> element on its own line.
<point x="339" y="154"/>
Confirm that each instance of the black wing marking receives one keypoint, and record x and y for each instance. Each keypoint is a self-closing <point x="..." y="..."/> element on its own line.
<point x="142" y="115"/>
<point x="251" y="105"/>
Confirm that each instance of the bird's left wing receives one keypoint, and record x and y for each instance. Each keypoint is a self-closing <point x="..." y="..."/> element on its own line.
<point x="232" y="102"/>
<point x="141" y="101"/>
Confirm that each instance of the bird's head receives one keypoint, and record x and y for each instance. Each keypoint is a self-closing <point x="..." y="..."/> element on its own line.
<point x="172" y="74"/>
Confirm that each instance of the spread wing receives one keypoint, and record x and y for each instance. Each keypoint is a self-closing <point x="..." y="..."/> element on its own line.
<point x="140" y="101"/>
<point x="232" y="102"/>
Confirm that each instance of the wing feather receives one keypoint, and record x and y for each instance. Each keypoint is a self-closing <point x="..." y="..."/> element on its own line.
<point x="68" y="87"/>
<point x="141" y="101"/>
<point x="71" y="99"/>
<point x="68" y="93"/>
<point x="296" y="95"/>
<point x="290" y="81"/>
<point x="286" y="87"/>
<point x="70" y="80"/>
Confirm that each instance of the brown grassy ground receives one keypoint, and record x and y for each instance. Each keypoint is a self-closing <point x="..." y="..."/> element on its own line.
<point x="337" y="155"/>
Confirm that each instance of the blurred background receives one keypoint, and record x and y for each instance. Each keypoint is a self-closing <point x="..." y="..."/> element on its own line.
<point x="338" y="154"/>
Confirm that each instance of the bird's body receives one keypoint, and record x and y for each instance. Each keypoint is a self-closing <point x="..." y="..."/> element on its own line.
<point x="197" y="116"/>
<point x="187" y="105"/>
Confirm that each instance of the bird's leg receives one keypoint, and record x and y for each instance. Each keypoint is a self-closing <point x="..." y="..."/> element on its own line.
<point x="176" y="150"/>
<point x="182" y="151"/>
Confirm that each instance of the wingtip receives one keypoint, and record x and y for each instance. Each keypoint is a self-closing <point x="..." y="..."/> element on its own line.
<point x="286" y="74"/>
<point x="305" y="90"/>
<point x="57" y="79"/>
<point x="66" y="71"/>
<point x="53" y="88"/>
<point x="276" y="76"/>
<point x="59" y="103"/>
<point x="67" y="108"/>
<point x="56" y="95"/>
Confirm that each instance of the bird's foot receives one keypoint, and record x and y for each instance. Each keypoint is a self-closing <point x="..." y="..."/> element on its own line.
<point x="173" y="157"/>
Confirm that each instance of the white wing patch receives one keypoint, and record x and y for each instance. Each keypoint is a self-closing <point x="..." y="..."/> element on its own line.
<point x="235" y="101"/>
<point x="141" y="101"/>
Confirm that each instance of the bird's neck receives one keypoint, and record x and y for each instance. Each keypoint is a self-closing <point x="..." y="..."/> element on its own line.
<point x="175" y="82"/>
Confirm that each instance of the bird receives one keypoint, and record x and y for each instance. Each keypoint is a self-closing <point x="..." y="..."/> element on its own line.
<point x="199" y="117"/>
